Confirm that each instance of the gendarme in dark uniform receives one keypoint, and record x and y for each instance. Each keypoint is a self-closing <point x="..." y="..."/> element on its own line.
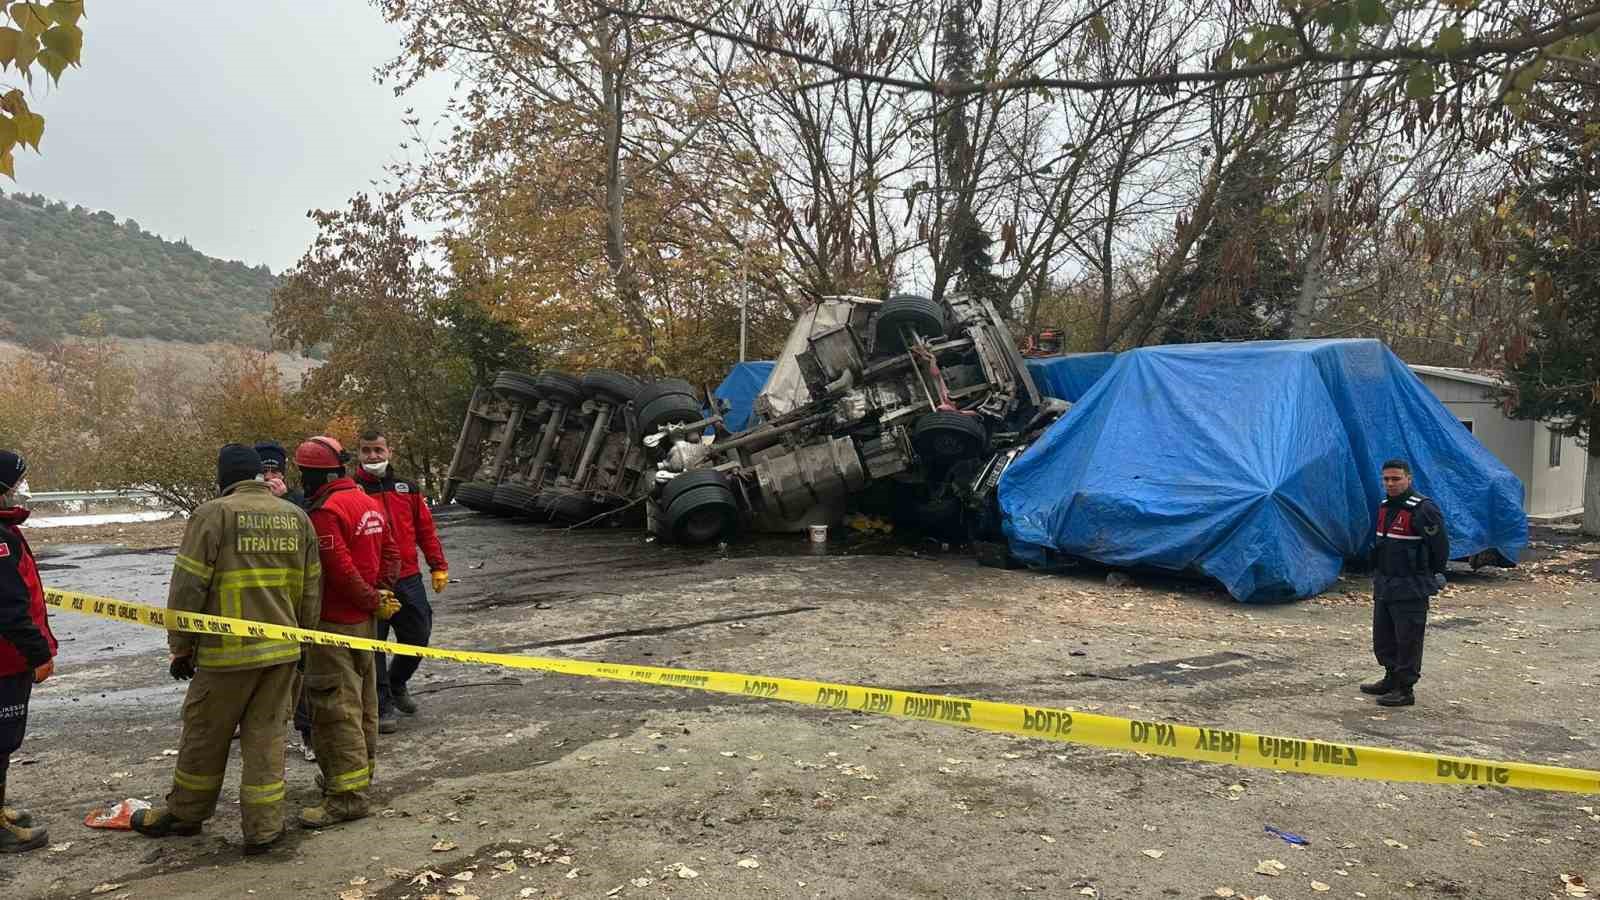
<point x="1408" y="563"/>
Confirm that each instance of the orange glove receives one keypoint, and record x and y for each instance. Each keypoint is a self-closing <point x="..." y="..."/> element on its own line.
<point x="441" y="577"/>
<point x="44" y="671"/>
<point x="388" y="605"/>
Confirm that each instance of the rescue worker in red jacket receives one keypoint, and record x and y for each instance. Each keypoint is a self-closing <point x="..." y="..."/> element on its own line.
<point x="1408" y="563"/>
<point x="412" y="524"/>
<point x="360" y="563"/>
<point x="27" y="648"/>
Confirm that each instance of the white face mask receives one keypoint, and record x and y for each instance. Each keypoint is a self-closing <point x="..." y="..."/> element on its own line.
<point x="375" y="469"/>
<point x="19" y="494"/>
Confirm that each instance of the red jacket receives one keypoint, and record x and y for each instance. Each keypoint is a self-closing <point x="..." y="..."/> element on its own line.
<point x="409" y="517"/>
<point x="357" y="548"/>
<point x="25" y="639"/>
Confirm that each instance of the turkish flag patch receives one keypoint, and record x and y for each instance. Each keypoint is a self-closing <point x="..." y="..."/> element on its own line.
<point x="324" y="542"/>
<point x="5" y="550"/>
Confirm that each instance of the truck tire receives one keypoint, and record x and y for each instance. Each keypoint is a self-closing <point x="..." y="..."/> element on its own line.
<point x="688" y="481"/>
<point x="949" y="436"/>
<point x="667" y="409"/>
<point x="558" y="387"/>
<point x="564" y="506"/>
<point x="517" y="386"/>
<point x="665" y="387"/>
<point x="702" y="514"/>
<point x="514" y="498"/>
<point x="477" y="496"/>
<point x="921" y="315"/>
<point x="611" y="385"/>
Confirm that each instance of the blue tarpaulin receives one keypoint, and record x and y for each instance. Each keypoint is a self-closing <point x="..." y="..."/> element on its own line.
<point x="740" y="389"/>
<point x="1256" y="464"/>
<point x="1068" y="377"/>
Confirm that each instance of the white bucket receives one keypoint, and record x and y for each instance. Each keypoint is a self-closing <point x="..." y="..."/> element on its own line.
<point x="819" y="534"/>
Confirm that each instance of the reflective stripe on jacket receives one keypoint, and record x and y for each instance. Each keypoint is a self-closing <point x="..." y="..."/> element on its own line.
<point x="246" y="555"/>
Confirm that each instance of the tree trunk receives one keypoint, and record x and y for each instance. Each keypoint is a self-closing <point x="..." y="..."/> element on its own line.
<point x="613" y="86"/>
<point x="1313" y="283"/>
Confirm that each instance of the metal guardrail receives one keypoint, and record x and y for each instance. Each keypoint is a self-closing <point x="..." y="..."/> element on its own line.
<point x="65" y="496"/>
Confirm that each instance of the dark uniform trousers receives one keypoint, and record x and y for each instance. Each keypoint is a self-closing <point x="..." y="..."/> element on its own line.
<point x="1398" y="628"/>
<point x="413" y="624"/>
<point x="14" y="693"/>
<point x="341" y="690"/>
<point x="255" y="701"/>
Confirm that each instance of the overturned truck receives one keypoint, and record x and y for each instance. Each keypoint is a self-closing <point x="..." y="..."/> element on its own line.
<point x="900" y="405"/>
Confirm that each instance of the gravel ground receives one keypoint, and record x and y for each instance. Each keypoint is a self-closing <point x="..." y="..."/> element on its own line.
<point x="527" y="785"/>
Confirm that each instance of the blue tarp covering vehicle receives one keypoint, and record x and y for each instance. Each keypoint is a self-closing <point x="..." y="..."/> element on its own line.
<point x="1069" y="377"/>
<point x="740" y="389"/>
<point x="1255" y="464"/>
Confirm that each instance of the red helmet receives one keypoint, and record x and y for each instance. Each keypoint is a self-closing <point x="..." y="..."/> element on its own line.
<point x="320" y="452"/>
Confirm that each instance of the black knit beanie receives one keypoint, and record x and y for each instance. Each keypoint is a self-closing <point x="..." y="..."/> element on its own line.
<point x="12" y="468"/>
<point x="236" y="463"/>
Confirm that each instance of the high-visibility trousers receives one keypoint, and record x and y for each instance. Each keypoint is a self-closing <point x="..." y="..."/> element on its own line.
<point x="341" y="689"/>
<point x="218" y="701"/>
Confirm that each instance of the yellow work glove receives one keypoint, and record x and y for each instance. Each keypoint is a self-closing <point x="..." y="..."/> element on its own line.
<point x="388" y="605"/>
<point x="440" y="579"/>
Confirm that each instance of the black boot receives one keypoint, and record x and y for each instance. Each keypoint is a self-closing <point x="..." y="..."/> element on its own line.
<point x="402" y="701"/>
<point x="1400" y="696"/>
<point x="159" y="823"/>
<point x="1382" y="686"/>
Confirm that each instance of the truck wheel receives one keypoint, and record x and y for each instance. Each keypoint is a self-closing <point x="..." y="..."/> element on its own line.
<point x="949" y="436"/>
<point x="922" y="315"/>
<point x="564" y="506"/>
<point x="477" y="496"/>
<point x="517" y="386"/>
<point x="611" y="385"/>
<point x="688" y="481"/>
<point x="664" y="387"/>
<point x="558" y="387"/>
<point x="667" y="409"/>
<point x="702" y="514"/>
<point x="514" y="499"/>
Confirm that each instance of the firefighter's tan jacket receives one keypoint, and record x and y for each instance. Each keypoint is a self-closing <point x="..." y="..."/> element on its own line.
<point x="246" y="555"/>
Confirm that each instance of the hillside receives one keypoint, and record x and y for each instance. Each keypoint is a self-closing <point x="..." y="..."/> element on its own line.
<point x="60" y="264"/>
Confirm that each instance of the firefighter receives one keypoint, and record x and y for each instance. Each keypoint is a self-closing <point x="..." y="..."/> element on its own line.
<point x="1408" y="564"/>
<point x="245" y="555"/>
<point x="360" y="563"/>
<point x="412" y="524"/>
<point x="27" y="648"/>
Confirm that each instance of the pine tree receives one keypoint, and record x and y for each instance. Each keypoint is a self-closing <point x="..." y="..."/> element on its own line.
<point x="1553" y="370"/>
<point x="1241" y="286"/>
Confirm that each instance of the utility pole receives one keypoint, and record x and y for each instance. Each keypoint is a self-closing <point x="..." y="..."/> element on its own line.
<point x="744" y="285"/>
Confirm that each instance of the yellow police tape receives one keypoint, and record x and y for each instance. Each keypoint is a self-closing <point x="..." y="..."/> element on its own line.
<point x="1213" y="745"/>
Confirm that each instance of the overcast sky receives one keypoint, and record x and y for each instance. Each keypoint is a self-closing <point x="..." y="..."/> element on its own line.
<point x="222" y="122"/>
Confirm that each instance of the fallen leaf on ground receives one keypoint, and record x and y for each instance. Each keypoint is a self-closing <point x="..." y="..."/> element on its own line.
<point x="1154" y="854"/>
<point x="104" y="888"/>
<point x="572" y="874"/>
<point x="358" y="881"/>
<point x="748" y="864"/>
<point x="426" y="877"/>
<point x="1270" y="867"/>
<point x="1319" y="886"/>
<point x="352" y="894"/>
<point x="463" y="876"/>
<point x="61" y="848"/>
<point x="396" y="873"/>
<point x="1395" y="844"/>
<point x="507" y="866"/>
<point x="1224" y="892"/>
<point x="616" y="890"/>
<point x="503" y="854"/>
<point x="444" y="846"/>
<point x="686" y="872"/>
<point x="1047" y="839"/>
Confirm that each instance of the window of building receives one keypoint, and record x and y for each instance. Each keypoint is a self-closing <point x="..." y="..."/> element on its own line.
<point x="1555" y="449"/>
<point x="1467" y="424"/>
